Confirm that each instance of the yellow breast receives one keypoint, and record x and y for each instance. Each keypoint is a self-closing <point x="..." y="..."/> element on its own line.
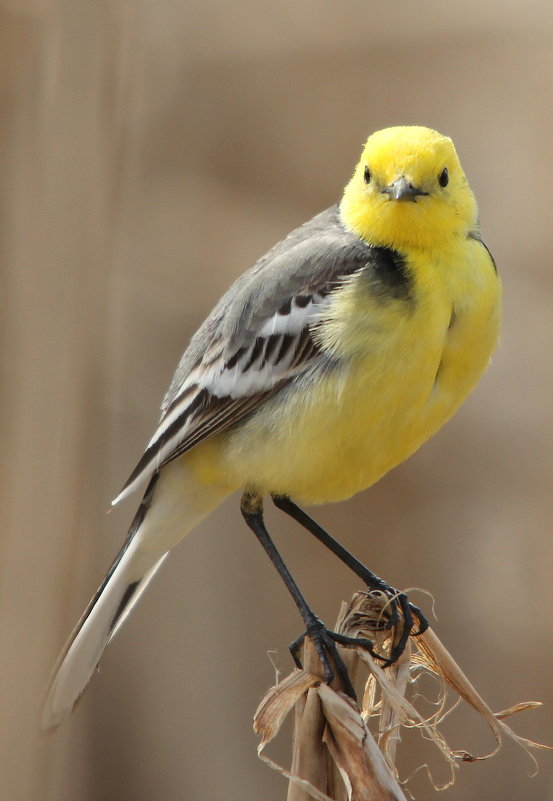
<point x="405" y="367"/>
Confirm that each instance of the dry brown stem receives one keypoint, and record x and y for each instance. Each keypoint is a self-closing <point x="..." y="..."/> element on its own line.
<point x="336" y="757"/>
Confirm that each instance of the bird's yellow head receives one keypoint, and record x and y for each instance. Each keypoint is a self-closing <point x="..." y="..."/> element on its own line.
<point x="409" y="190"/>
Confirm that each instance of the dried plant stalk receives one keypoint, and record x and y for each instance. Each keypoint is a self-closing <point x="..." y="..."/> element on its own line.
<point x="335" y="755"/>
<point x="333" y="749"/>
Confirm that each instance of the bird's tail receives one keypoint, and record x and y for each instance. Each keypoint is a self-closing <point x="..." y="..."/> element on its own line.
<point x="155" y="529"/>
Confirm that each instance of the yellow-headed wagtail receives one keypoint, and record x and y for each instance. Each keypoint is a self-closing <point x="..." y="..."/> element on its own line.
<point x="325" y="365"/>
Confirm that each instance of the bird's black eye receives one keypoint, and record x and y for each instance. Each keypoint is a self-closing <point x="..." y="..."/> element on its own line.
<point x="443" y="177"/>
<point x="367" y="175"/>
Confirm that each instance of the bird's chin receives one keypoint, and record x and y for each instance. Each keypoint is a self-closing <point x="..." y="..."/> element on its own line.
<point x="401" y="226"/>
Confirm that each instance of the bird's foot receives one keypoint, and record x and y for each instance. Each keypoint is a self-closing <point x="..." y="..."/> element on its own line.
<point x="324" y="641"/>
<point x="400" y="614"/>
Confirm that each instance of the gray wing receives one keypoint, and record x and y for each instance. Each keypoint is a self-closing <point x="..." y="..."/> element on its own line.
<point x="256" y="340"/>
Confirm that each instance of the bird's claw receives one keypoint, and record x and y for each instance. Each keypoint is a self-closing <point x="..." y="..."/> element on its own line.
<point x="324" y="641"/>
<point x="324" y="644"/>
<point x="402" y="613"/>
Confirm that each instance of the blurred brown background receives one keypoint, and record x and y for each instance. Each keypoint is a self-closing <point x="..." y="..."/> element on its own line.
<point x="149" y="153"/>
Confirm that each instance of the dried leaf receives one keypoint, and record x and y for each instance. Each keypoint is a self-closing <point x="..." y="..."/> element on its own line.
<point x="335" y="756"/>
<point x="355" y="751"/>
<point x="277" y="703"/>
<point x="440" y="661"/>
<point x="271" y="714"/>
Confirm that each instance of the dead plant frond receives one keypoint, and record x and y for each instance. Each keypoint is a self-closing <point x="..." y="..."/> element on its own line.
<point x="343" y="752"/>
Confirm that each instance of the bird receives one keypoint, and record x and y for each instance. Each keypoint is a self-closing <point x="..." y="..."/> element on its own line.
<point x="326" y="364"/>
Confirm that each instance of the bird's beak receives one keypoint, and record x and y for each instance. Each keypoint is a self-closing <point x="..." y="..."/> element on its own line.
<point x="402" y="189"/>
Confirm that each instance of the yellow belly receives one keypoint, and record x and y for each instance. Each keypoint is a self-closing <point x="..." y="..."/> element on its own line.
<point x="402" y="374"/>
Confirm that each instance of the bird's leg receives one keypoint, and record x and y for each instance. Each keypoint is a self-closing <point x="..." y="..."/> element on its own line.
<point x="323" y="639"/>
<point x="373" y="582"/>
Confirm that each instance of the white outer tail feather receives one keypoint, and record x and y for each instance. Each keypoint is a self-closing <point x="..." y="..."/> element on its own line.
<point x="93" y="632"/>
<point x="166" y="515"/>
<point x="137" y="593"/>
